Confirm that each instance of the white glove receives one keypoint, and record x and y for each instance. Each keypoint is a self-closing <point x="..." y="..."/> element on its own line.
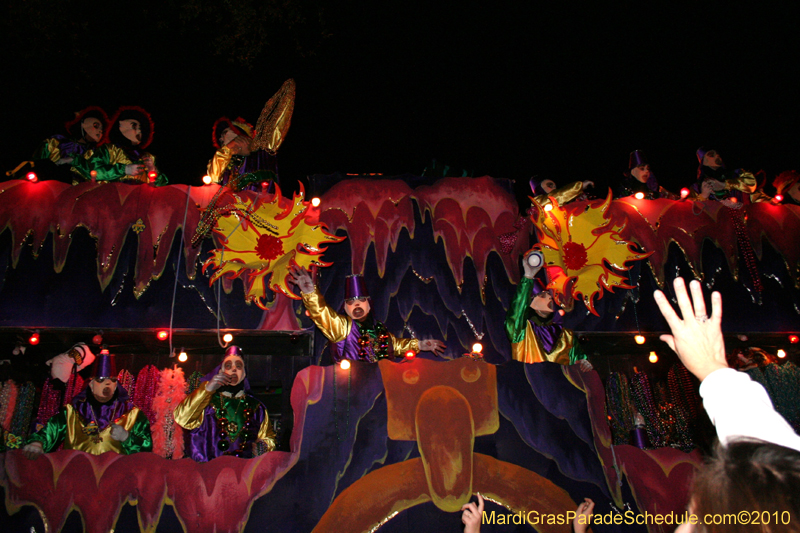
<point x="119" y="433"/>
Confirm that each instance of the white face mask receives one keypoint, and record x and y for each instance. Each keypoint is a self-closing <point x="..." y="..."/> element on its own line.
<point x="233" y="365"/>
<point x="92" y="129"/>
<point x="131" y="129"/>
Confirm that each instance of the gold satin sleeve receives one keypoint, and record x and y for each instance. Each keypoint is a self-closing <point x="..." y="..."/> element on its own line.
<point x="54" y="149"/>
<point x="401" y="346"/>
<point x="266" y="434"/>
<point x="77" y="439"/>
<point x="745" y="182"/>
<point x="530" y="350"/>
<point x="219" y="163"/>
<point x="562" y="195"/>
<point x="334" y="326"/>
<point x="189" y="413"/>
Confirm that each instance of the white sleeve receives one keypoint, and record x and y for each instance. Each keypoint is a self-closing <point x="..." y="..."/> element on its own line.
<point x="740" y="407"/>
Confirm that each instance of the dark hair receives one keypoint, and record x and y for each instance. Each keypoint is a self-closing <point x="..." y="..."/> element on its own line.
<point x="754" y="476"/>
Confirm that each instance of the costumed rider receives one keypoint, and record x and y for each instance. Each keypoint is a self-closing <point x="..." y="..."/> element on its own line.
<point x="640" y="180"/>
<point x="545" y="189"/>
<point x="236" y="164"/>
<point x="716" y="182"/>
<point x="787" y="184"/>
<point x="122" y="157"/>
<point x="53" y="158"/>
<point x="356" y="335"/>
<point x="533" y="326"/>
<point x="101" y="418"/>
<point x="222" y="417"/>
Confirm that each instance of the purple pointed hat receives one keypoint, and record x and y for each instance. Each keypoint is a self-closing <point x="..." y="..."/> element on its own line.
<point x="234" y="350"/>
<point x="637" y="158"/>
<point x="104" y="365"/>
<point x="355" y="287"/>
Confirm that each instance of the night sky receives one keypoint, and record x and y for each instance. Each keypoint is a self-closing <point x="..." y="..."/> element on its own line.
<point x="512" y="90"/>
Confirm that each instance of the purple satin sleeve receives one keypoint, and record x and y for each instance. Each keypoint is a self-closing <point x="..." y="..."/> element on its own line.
<point x="108" y="412"/>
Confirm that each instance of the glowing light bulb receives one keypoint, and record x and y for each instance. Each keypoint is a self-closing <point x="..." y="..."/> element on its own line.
<point x="162" y="335"/>
<point x="152" y="175"/>
<point x="639" y="339"/>
<point x="34" y="340"/>
<point x="207" y="179"/>
<point x="345" y="364"/>
<point x="227" y="337"/>
<point x="734" y="200"/>
<point x="97" y="339"/>
<point x="182" y="357"/>
<point x="32" y="177"/>
<point x="315" y="201"/>
<point x="411" y="354"/>
<point x="548" y="207"/>
<point x="653" y="357"/>
<point x="264" y="184"/>
<point x="477" y="347"/>
<point x="639" y="195"/>
<point x="684" y="192"/>
<point x="93" y="173"/>
<point x="778" y="198"/>
<point x="794" y="339"/>
<point x="781" y="353"/>
<point x="104" y="351"/>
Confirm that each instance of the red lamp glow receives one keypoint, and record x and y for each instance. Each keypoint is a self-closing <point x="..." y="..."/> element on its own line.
<point x="778" y="198"/>
<point x="411" y="354"/>
<point x="152" y="175"/>
<point x="315" y="201"/>
<point x="264" y="184"/>
<point x="684" y="192"/>
<point x="32" y="177"/>
<point x="162" y="335"/>
<point x="97" y="339"/>
<point x="734" y="200"/>
<point x="93" y="173"/>
<point x="34" y="340"/>
<point x="794" y="339"/>
<point x="639" y="195"/>
<point x="104" y="351"/>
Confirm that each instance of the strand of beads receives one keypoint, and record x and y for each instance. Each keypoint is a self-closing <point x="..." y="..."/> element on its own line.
<point x="642" y="396"/>
<point x="49" y="404"/>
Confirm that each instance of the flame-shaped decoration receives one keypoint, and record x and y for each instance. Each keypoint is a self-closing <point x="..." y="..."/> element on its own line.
<point x="583" y="251"/>
<point x="265" y="236"/>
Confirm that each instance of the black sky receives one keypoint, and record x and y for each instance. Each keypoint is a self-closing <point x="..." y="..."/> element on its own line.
<point x="505" y="89"/>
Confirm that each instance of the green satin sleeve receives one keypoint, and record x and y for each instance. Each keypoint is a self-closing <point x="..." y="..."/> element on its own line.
<point x="140" y="439"/>
<point x="516" y="317"/>
<point x="334" y="326"/>
<point x="52" y="433"/>
<point x="576" y="353"/>
<point x="108" y="162"/>
<point x="50" y="149"/>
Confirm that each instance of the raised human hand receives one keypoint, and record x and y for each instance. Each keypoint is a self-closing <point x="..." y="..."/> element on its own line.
<point x="432" y="345"/>
<point x="472" y="515"/>
<point x="532" y="262"/>
<point x="582" y="516"/>
<point x="220" y="379"/>
<point x="119" y="433"/>
<point x="302" y="278"/>
<point x="33" y="450"/>
<point x="587" y="184"/>
<point x="584" y="365"/>
<point x="696" y="338"/>
<point x="134" y="169"/>
<point x="240" y="145"/>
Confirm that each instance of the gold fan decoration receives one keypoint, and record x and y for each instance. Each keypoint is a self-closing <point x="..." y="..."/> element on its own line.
<point x="259" y="240"/>
<point x="275" y="119"/>
<point x="583" y="251"/>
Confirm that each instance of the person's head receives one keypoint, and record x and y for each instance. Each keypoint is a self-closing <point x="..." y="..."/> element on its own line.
<point x="788" y="184"/>
<point x="88" y="125"/>
<point x="131" y="126"/>
<point x="638" y="166"/>
<point x="548" y="186"/>
<point x="104" y="377"/>
<point x="225" y="130"/>
<point x="709" y="158"/>
<point x="750" y="476"/>
<point x="356" y="298"/>
<point x="233" y="365"/>
<point x="542" y="302"/>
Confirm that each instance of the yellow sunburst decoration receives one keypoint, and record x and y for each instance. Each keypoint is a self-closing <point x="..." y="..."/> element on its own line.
<point x="259" y="240"/>
<point x="583" y="251"/>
